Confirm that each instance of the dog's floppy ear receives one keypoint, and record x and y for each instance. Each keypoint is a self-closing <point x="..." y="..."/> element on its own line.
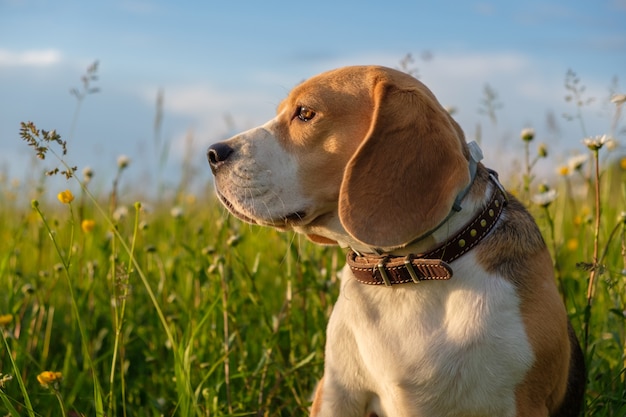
<point x="404" y="177"/>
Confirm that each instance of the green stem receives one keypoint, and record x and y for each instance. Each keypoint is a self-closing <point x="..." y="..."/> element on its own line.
<point x="83" y="337"/>
<point x="596" y="240"/>
<point x="18" y="376"/>
<point x="60" y="400"/>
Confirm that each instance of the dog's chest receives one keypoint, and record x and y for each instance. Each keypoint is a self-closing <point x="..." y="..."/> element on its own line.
<point x="457" y="344"/>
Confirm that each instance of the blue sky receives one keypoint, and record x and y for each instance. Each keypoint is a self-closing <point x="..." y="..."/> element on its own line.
<point x="224" y="66"/>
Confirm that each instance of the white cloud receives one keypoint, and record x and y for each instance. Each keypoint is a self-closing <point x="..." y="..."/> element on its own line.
<point x="33" y="58"/>
<point x="479" y="65"/>
<point x="211" y="113"/>
<point x="194" y="100"/>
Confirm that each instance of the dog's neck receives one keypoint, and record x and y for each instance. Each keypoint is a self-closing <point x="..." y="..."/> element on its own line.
<point x="465" y="206"/>
<point x="472" y="203"/>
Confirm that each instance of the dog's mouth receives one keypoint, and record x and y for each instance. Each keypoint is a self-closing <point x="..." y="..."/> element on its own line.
<point x="234" y="211"/>
<point x="297" y="218"/>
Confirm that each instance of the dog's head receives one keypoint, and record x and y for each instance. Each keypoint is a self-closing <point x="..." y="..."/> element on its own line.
<point x="358" y="155"/>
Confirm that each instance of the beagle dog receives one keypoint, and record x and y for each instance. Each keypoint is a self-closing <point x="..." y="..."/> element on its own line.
<point x="448" y="304"/>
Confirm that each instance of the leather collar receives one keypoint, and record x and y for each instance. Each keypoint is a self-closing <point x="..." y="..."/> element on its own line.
<point x="432" y="265"/>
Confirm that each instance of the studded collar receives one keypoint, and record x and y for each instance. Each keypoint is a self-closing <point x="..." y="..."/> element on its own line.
<point x="432" y="265"/>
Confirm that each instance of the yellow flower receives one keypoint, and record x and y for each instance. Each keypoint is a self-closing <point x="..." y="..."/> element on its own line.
<point x="47" y="377"/>
<point x="87" y="225"/>
<point x="572" y="244"/>
<point x="5" y="319"/>
<point x="563" y="170"/>
<point x="622" y="163"/>
<point x="65" y="197"/>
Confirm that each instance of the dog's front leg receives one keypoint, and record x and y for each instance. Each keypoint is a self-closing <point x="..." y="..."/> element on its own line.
<point x="346" y="390"/>
<point x="332" y="400"/>
<point x="317" y="399"/>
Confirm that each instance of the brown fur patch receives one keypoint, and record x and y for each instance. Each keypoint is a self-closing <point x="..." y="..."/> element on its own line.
<point x="516" y="251"/>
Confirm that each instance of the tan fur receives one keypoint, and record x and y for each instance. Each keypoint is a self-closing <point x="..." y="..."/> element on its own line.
<point x="317" y="400"/>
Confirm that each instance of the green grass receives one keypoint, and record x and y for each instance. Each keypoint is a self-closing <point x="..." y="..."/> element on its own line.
<point x="175" y="308"/>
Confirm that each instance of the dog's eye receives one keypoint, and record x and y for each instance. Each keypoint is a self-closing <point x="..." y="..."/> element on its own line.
<point x="304" y="113"/>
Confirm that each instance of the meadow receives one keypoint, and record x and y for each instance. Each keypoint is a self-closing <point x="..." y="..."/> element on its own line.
<point x="114" y="304"/>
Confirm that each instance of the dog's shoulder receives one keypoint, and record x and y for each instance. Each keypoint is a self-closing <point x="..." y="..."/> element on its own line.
<point x="515" y="249"/>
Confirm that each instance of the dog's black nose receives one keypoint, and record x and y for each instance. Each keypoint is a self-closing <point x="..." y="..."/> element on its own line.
<point x="217" y="154"/>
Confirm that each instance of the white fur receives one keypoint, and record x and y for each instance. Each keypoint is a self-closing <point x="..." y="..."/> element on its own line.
<point x="262" y="182"/>
<point x="454" y="348"/>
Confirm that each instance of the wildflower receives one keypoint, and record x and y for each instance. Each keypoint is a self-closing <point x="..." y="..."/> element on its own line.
<point x="87" y="225"/>
<point x="191" y="199"/>
<point x="123" y="161"/>
<point x="527" y="134"/>
<point x="27" y="289"/>
<point x="176" y="212"/>
<point x="451" y="110"/>
<point x="208" y="250"/>
<point x="622" y="163"/>
<point x="575" y="163"/>
<point x="65" y="197"/>
<point x="87" y="175"/>
<point x="612" y="143"/>
<point x="596" y="142"/>
<point x="578" y="220"/>
<point x="543" y="187"/>
<point x="618" y="99"/>
<point x="5" y="319"/>
<point x="563" y="170"/>
<point x="4" y="379"/>
<point x="120" y="213"/>
<point x="233" y="240"/>
<point x="583" y="217"/>
<point x="47" y="377"/>
<point x="542" y="151"/>
<point x="572" y="244"/>
<point x="544" y="198"/>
